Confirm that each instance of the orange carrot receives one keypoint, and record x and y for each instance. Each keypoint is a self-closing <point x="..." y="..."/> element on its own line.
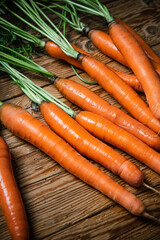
<point x="114" y="85"/>
<point x="130" y="79"/>
<point x="150" y="53"/>
<point x="156" y="67"/>
<point x="10" y="198"/>
<point x="104" y="43"/>
<point x="88" y="145"/>
<point x="122" y="92"/>
<point x="24" y="125"/>
<point x="53" y="50"/>
<point x="139" y="63"/>
<point x="110" y="133"/>
<point x="88" y="100"/>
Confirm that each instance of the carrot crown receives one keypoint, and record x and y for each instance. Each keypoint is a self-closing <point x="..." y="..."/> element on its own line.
<point x="34" y="92"/>
<point x="34" y="13"/>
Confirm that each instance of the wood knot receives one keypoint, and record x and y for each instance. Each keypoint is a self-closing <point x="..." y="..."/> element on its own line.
<point x="148" y="2"/>
<point x="89" y="46"/>
<point x="151" y="30"/>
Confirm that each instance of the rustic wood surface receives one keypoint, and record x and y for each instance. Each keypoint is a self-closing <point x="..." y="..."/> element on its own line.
<point x="58" y="205"/>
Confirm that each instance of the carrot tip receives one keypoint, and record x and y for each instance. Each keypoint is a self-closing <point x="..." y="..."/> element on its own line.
<point x="151" y="188"/>
<point x="149" y="216"/>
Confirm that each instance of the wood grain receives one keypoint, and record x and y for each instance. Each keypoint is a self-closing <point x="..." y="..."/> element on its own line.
<point x="60" y="206"/>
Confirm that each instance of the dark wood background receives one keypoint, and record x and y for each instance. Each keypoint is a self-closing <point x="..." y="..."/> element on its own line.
<point x="58" y="205"/>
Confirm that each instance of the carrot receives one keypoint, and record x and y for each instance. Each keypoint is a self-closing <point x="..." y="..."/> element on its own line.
<point x="104" y="43"/>
<point x="139" y="63"/>
<point x="102" y="40"/>
<point x="122" y="92"/>
<point x="57" y="37"/>
<point x="76" y="135"/>
<point x="130" y="79"/>
<point x="54" y="50"/>
<point x="10" y="198"/>
<point x="27" y="127"/>
<point x="118" y="89"/>
<point x="150" y="53"/>
<point x="156" y="67"/>
<point x="56" y="115"/>
<point x="140" y="131"/>
<point x="88" y="145"/>
<point x="88" y="100"/>
<point x="110" y="133"/>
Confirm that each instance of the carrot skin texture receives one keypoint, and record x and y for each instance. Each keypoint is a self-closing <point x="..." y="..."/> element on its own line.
<point x="88" y="100"/>
<point x="27" y="127"/>
<point x="150" y="53"/>
<point x="156" y="67"/>
<point x="122" y="92"/>
<point x="104" y="43"/>
<point x="88" y="145"/>
<point x="139" y="63"/>
<point x="146" y="118"/>
<point x="110" y="133"/>
<point x="53" y="50"/>
<point x="130" y="79"/>
<point x="10" y="197"/>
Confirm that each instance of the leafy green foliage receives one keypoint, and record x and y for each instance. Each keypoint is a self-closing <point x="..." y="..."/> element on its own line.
<point x="7" y="38"/>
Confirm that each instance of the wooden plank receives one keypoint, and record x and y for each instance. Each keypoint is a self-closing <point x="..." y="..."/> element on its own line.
<point x="58" y="205"/>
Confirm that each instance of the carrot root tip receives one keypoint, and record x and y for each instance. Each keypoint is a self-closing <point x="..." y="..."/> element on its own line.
<point x="149" y="216"/>
<point x="151" y="188"/>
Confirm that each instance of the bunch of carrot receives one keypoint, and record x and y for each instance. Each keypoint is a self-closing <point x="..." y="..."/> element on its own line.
<point x="32" y="130"/>
<point x="131" y="50"/>
<point x="25" y="126"/>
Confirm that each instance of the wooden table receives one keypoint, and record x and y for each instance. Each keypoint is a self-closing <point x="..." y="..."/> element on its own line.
<point x="60" y="206"/>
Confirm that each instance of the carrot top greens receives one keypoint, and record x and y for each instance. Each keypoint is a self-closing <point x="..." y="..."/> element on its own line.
<point x="11" y="56"/>
<point x="73" y="20"/>
<point x="12" y="31"/>
<point x="34" y="92"/>
<point x="36" y="14"/>
<point x="90" y="6"/>
<point x="13" y="38"/>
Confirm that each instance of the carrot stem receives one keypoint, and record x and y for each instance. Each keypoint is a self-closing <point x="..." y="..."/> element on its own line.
<point x="74" y="20"/>
<point x="81" y="77"/>
<point x="34" y="12"/>
<point x="34" y="92"/>
<point x="93" y="7"/>
<point x="22" y="61"/>
<point x="1" y="103"/>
